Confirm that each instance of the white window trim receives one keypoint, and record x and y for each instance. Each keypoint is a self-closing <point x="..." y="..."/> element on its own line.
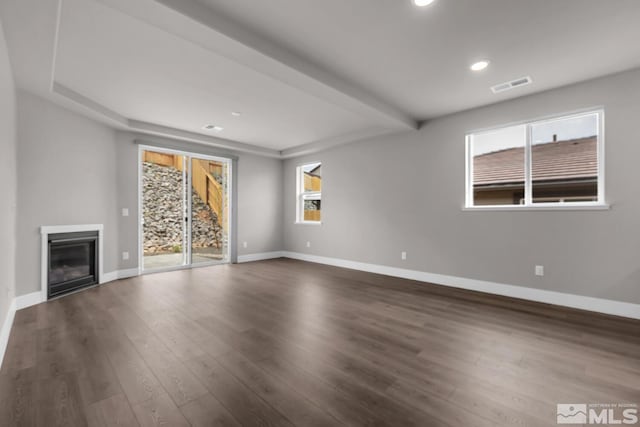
<point x="302" y="195"/>
<point x="600" y="204"/>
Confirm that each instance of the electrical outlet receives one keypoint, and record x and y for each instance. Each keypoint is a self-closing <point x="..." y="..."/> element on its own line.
<point x="308" y="244"/>
<point x="244" y="245"/>
<point x="125" y="211"/>
<point x="403" y="255"/>
<point x="125" y="256"/>
<point x="539" y="270"/>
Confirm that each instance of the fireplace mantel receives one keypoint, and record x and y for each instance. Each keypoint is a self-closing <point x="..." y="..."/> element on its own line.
<point x="46" y="230"/>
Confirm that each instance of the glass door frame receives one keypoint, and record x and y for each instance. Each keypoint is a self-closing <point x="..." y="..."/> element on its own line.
<point x="187" y="158"/>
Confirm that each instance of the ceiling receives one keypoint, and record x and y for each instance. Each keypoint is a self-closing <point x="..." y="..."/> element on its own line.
<point x="418" y="58"/>
<point x="304" y="75"/>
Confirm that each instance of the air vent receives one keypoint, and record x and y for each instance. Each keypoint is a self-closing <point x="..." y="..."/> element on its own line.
<point x="522" y="81"/>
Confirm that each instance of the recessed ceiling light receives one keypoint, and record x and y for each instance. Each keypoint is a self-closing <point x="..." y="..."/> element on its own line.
<point x="423" y="3"/>
<point x="236" y="113"/>
<point x="480" y="65"/>
<point x="212" y="127"/>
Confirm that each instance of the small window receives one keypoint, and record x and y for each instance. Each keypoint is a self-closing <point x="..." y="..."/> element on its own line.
<point x="309" y="193"/>
<point x="556" y="162"/>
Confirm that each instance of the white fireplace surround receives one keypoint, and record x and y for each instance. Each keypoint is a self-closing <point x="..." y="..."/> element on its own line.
<point x="46" y="230"/>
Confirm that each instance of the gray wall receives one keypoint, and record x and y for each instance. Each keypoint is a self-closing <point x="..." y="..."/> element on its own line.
<point x="66" y="175"/>
<point x="405" y="193"/>
<point x="7" y="181"/>
<point x="259" y="204"/>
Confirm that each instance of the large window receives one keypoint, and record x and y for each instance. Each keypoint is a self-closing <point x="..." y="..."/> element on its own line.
<point x="309" y="191"/>
<point x="555" y="162"/>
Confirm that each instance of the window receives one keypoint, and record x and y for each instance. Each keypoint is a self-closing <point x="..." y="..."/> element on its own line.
<point x="555" y="162"/>
<point x="309" y="193"/>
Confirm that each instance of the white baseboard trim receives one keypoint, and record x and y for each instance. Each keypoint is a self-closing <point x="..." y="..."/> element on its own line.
<point x="6" y="329"/>
<point x="616" y="308"/>
<point x="109" y="277"/>
<point x="118" y="274"/>
<point x="125" y="274"/>
<point x="24" y="301"/>
<point x="260" y="256"/>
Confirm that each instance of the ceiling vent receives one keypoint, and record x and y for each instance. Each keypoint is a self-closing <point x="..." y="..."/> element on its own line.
<point x="522" y="81"/>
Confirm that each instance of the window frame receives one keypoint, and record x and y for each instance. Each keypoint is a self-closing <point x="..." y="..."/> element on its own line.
<point x="302" y="196"/>
<point x="599" y="204"/>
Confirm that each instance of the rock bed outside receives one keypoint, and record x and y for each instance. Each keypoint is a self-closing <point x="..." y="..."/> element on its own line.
<point x="164" y="217"/>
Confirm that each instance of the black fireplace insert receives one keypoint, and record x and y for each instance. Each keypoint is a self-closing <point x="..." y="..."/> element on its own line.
<point x="73" y="262"/>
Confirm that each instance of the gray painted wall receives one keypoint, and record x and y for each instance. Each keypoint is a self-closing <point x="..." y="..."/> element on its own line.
<point x="66" y="175"/>
<point x="7" y="181"/>
<point x="73" y="170"/>
<point x="260" y="204"/>
<point x="405" y="193"/>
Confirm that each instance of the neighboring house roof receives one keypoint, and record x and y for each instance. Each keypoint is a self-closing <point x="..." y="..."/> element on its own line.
<point x="317" y="171"/>
<point x="575" y="159"/>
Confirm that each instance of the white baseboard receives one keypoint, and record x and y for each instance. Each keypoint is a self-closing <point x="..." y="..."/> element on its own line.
<point x="24" y="301"/>
<point x="616" y="308"/>
<point x="118" y="274"/>
<point x="125" y="274"/>
<point x="260" y="256"/>
<point x="6" y="329"/>
<point x="109" y="277"/>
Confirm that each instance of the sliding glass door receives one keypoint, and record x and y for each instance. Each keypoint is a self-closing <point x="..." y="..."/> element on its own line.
<point x="184" y="209"/>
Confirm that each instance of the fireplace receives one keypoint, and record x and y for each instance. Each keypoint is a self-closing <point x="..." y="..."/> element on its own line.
<point x="73" y="260"/>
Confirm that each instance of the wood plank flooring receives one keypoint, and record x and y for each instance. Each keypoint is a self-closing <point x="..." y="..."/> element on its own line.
<point x="283" y="343"/>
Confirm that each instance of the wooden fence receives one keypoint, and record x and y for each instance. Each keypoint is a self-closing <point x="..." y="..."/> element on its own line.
<point x="207" y="187"/>
<point x="312" y="215"/>
<point x="202" y="178"/>
<point x="163" y="159"/>
<point x="312" y="183"/>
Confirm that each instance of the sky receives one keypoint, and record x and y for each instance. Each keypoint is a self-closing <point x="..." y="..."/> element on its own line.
<point x="309" y="167"/>
<point x="515" y="136"/>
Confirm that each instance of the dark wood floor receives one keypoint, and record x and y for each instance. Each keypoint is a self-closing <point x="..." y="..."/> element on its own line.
<point x="284" y="342"/>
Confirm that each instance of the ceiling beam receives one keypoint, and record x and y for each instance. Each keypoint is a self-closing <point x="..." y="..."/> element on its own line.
<point x="349" y="93"/>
